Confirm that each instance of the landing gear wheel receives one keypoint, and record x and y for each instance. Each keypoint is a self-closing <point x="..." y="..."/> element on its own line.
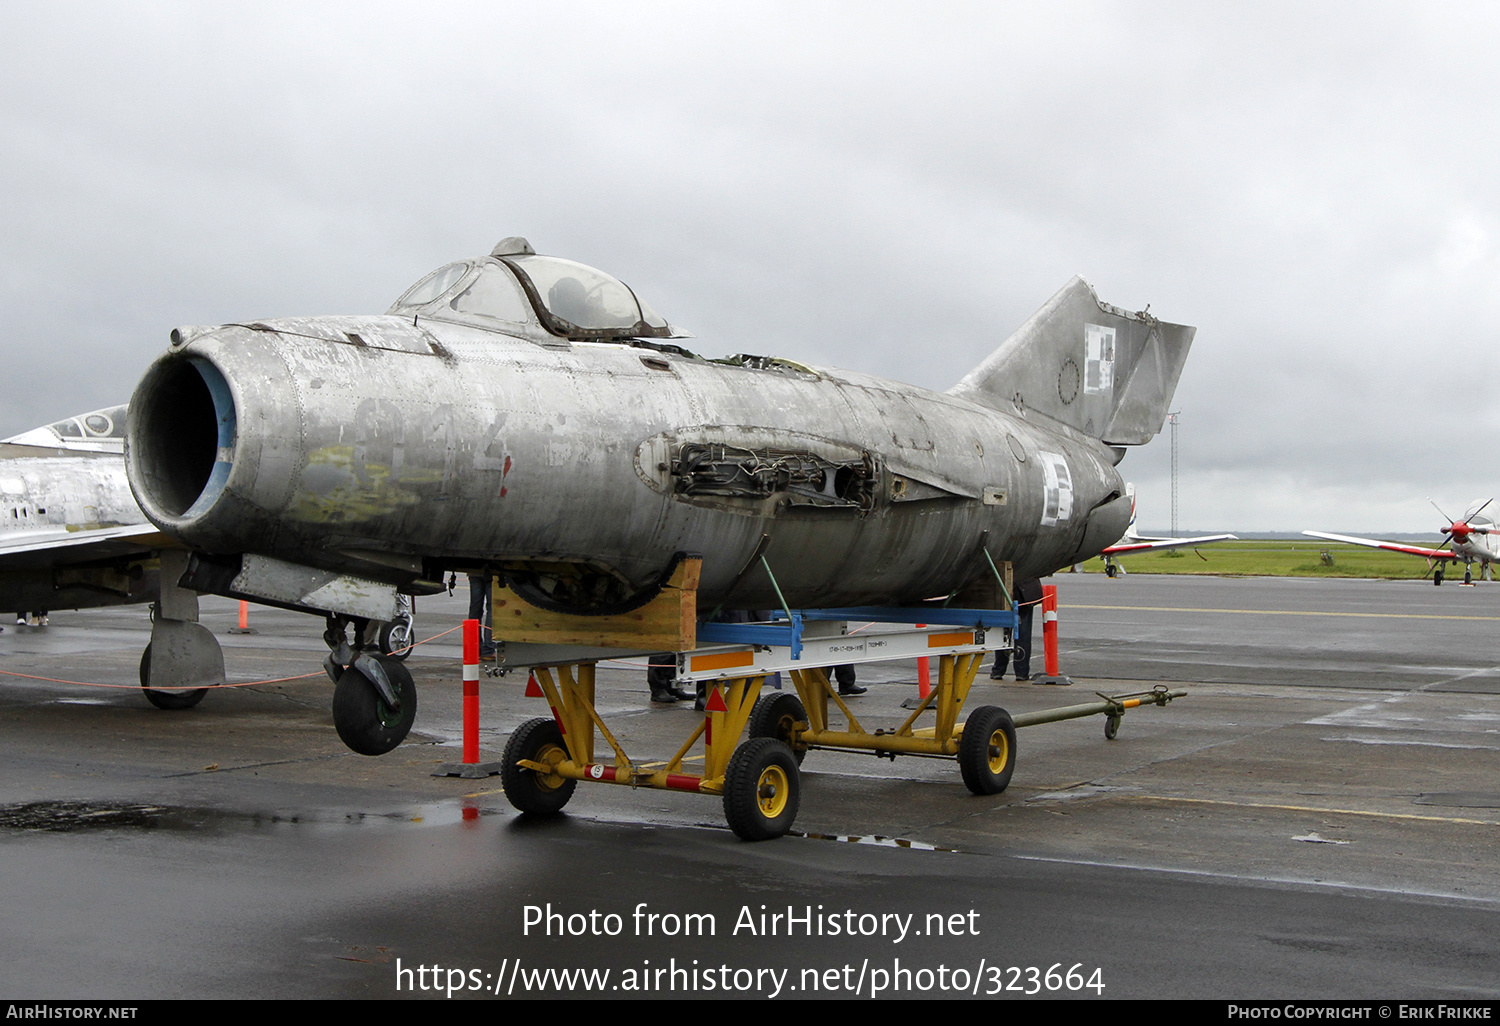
<point x="1468" y="577"/>
<point x="529" y="791"/>
<point x="1110" y="570"/>
<point x="1111" y="727"/>
<point x="1437" y="576"/>
<point x="775" y="715"/>
<point x="396" y="638"/>
<point x="761" y="789"/>
<point x="166" y="699"/>
<point x="364" y="721"/>
<point x="987" y="751"/>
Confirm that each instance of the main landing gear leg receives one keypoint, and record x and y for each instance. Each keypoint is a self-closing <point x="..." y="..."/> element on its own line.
<point x="183" y="658"/>
<point x="374" y="698"/>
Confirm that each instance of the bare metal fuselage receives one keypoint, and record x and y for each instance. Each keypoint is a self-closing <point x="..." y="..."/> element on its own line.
<point x="387" y="448"/>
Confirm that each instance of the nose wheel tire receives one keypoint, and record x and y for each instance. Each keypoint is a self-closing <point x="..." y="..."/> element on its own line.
<point x="776" y="715"/>
<point x="529" y="790"/>
<point x="396" y="638"/>
<point x="166" y="699"/>
<point x="761" y="789"/>
<point x="987" y="751"/>
<point x="365" y="722"/>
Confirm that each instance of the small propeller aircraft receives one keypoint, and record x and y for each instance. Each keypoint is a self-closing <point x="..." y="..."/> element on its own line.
<point x="1132" y="542"/>
<point x="1469" y="539"/>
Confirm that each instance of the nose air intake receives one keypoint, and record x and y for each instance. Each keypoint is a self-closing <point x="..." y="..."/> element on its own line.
<point x="182" y="437"/>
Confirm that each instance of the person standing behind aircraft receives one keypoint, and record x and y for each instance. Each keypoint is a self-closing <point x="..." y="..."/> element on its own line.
<point x="1028" y="596"/>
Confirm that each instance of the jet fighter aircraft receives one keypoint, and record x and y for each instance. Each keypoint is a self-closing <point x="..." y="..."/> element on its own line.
<point x="1133" y="543"/>
<point x="531" y="417"/>
<point x="72" y="537"/>
<point x="1472" y="540"/>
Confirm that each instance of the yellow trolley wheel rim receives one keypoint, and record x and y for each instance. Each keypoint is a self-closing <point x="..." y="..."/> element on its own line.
<point x="771" y="791"/>
<point x="551" y="755"/>
<point x="999" y="751"/>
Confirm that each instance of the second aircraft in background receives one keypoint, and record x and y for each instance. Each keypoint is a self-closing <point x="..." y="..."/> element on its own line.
<point x="1471" y="539"/>
<point x="1132" y="543"/>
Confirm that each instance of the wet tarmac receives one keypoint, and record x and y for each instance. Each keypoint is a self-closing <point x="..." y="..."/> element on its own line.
<point x="1316" y="819"/>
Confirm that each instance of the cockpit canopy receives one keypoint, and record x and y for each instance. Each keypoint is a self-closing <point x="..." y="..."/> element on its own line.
<point x="1481" y="513"/>
<point x="98" y="431"/>
<point x="514" y="286"/>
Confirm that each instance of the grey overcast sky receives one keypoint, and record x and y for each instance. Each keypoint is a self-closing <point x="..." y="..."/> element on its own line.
<point x="887" y="187"/>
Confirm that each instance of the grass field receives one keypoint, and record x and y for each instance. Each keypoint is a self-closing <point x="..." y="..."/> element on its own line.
<point x="1279" y="559"/>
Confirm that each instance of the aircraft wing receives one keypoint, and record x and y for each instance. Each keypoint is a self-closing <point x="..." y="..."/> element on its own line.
<point x="1149" y="544"/>
<point x="1410" y="550"/>
<point x="34" y="550"/>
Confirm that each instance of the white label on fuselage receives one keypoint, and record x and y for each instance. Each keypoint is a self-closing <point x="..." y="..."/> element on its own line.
<point x="1098" y="359"/>
<point x="1057" y="489"/>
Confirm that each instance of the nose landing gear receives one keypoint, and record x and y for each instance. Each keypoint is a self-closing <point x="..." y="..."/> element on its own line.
<point x="375" y="697"/>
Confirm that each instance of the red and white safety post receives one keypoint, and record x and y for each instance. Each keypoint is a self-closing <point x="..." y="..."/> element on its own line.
<point x="471" y="767"/>
<point x="1049" y="636"/>
<point x="244" y="627"/>
<point x="471" y="691"/>
<point x="924" y="673"/>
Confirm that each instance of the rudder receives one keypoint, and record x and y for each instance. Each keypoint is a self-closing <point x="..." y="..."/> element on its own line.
<point x="1107" y="372"/>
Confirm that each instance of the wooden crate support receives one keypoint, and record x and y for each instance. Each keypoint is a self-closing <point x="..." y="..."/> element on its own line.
<point x="669" y="622"/>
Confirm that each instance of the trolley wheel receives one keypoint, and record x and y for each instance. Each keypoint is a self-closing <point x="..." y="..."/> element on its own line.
<point x="776" y="715"/>
<point x="538" y="740"/>
<point x="166" y="699"/>
<point x="761" y="789"/>
<point x="363" y="719"/>
<point x="987" y="751"/>
<point x="1111" y="726"/>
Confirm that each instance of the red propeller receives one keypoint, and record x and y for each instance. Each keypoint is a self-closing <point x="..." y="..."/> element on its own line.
<point x="1459" y="530"/>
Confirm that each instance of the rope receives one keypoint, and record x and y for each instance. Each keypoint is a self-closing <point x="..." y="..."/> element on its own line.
<point x="205" y="687"/>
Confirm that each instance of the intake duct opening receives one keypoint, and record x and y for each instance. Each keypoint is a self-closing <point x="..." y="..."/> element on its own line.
<point x="183" y="428"/>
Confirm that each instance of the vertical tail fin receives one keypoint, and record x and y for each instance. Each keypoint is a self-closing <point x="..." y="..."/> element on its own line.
<point x="1109" y="373"/>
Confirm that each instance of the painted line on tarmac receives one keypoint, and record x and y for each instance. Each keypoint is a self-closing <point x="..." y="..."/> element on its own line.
<point x="1310" y="808"/>
<point x="1277" y="612"/>
<point x="1417" y="744"/>
<point x="1285" y="881"/>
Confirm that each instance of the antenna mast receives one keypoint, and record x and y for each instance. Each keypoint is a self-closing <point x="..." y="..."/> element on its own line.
<point x="1172" y="419"/>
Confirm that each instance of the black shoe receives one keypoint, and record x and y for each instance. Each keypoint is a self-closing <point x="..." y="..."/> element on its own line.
<point x="684" y="695"/>
<point x="997" y="676"/>
<point x="852" y="689"/>
<point x="665" y="696"/>
<point x="1022" y="680"/>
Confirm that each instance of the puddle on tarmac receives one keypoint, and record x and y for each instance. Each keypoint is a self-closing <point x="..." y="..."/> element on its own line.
<point x="72" y="817"/>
